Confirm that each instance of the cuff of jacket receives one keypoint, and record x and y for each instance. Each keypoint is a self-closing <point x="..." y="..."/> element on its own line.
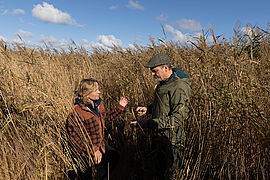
<point x="149" y="109"/>
<point x="95" y="149"/>
<point x="122" y="108"/>
<point x="152" y="124"/>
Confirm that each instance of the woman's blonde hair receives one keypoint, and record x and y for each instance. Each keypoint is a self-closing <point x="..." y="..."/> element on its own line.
<point x="86" y="86"/>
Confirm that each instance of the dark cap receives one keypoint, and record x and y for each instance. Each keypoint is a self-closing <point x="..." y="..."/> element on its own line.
<point x="157" y="60"/>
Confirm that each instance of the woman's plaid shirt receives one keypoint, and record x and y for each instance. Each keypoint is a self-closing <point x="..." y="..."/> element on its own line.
<point x="86" y="133"/>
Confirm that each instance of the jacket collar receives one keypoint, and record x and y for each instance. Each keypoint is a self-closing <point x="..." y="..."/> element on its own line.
<point x="96" y="105"/>
<point x="177" y="74"/>
<point x="88" y="106"/>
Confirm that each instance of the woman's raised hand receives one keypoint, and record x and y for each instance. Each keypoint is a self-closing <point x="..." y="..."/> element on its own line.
<point x="124" y="101"/>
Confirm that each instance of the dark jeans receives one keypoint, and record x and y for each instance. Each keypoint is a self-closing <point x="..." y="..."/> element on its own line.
<point x="85" y="170"/>
<point x="177" y="161"/>
<point x="108" y="163"/>
<point x="163" y="159"/>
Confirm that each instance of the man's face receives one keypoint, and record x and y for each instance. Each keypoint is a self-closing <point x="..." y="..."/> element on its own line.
<point x="159" y="72"/>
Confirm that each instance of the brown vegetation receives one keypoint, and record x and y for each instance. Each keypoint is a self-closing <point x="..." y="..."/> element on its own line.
<point x="228" y="131"/>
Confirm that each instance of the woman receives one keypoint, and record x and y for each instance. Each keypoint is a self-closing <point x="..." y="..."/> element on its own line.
<point x="85" y="128"/>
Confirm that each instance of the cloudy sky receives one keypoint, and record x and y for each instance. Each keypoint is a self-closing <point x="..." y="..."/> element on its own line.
<point x="104" y="23"/>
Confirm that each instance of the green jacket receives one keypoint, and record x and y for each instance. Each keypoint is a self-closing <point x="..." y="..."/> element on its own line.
<point x="170" y="108"/>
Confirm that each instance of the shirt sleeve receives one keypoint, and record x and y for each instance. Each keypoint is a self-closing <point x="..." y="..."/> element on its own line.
<point x="114" y="114"/>
<point x="149" y="109"/>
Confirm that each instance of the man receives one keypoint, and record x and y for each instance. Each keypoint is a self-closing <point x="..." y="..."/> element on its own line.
<point x="169" y="110"/>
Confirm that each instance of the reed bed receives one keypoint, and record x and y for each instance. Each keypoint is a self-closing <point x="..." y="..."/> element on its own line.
<point x="228" y="129"/>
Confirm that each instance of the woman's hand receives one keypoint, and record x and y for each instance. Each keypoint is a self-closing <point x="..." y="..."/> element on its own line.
<point x="124" y="101"/>
<point x="97" y="157"/>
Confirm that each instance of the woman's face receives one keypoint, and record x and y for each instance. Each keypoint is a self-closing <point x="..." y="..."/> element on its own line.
<point x="94" y="95"/>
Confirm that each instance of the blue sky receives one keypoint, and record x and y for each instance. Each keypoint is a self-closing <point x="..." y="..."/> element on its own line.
<point x="102" y="23"/>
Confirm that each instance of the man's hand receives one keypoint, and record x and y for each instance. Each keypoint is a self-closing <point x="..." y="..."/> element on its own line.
<point x="124" y="101"/>
<point x="98" y="157"/>
<point x="141" y="111"/>
<point x="140" y="123"/>
<point x="134" y="123"/>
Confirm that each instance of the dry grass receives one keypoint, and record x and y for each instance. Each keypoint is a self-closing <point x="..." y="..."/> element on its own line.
<point x="228" y="132"/>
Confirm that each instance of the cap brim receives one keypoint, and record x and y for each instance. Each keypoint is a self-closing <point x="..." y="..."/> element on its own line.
<point x="147" y="66"/>
<point x="152" y="66"/>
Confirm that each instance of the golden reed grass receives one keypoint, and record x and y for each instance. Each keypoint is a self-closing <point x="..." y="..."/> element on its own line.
<point x="228" y="129"/>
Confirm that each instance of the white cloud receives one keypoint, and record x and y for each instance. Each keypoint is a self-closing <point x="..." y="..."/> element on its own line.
<point x="248" y="31"/>
<point x="14" y="12"/>
<point x="177" y="35"/>
<point x="131" y="46"/>
<point x="85" y="44"/>
<point x="106" y="42"/>
<point x="162" y="17"/>
<point x="24" y="34"/>
<point x="189" y="24"/>
<point x="4" y="12"/>
<point x="17" y="11"/>
<point x="113" y="7"/>
<point x="180" y="37"/>
<point x="55" y="43"/>
<point x="48" y="13"/>
<point x="19" y="41"/>
<point x="134" y="5"/>
<point x="210" y="40"/>
<point x="27" y="43"/>
<point x="3" y="39"/>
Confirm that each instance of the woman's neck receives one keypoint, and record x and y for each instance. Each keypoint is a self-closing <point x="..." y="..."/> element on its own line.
<point x="91" y="102"/>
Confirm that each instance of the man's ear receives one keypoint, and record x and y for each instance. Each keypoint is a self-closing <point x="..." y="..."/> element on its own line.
<point x="166" y="67"/>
